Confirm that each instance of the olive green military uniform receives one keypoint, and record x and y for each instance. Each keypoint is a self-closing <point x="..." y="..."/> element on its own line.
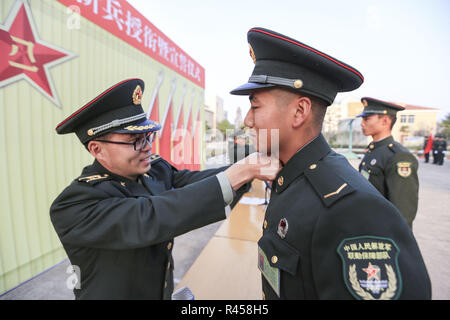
<point x="389" y="166"/>
<point x="120" y="232"/>
<point x="328" y="233"/>
<point x="324" y="225"/>
<point x="392" y="170"/>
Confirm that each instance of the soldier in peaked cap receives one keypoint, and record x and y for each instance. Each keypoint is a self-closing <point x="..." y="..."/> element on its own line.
<point x="117" y="220"/>
<point x="328" y="233"/>
<point x="389" y="166"/>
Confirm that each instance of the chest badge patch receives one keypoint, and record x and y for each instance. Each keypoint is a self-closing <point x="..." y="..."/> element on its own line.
<point x="373" y="161"/>
<point x="404" y="169"/>
<point x="283" y="228"/>
<point x="370" y="266"/>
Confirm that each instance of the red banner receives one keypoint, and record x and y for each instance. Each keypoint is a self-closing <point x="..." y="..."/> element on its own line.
<point x="124" y="21"/>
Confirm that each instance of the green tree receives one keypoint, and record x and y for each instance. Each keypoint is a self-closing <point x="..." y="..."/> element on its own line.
<point x="444" y="126"/>
<point x="225" y="125"/>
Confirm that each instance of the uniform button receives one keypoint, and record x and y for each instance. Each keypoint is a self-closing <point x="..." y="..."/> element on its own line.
<point x="371" y="146"/>
<point x="369" y="171"/>
<point x="280" y="181"/>
<point x="391" y="145"/>
<point x="313" y="166"/>
<point x="169" y="246"/>
<point x="363" y="163"/>
<point x="298" y="84"/>
<point x="265" y="224"/>
<point x="274" y="259"/>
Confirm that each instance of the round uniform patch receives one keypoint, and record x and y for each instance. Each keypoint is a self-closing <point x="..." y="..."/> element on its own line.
<point x="370" y="266"/>
<point x="283" y="227"/>
<point x="404" y="169"/>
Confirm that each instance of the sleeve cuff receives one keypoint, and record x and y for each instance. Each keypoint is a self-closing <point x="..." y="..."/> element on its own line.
<point x="227" y="190"/>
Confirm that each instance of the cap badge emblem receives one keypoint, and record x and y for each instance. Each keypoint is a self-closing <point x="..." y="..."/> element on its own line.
<point x="252" y="53"/>
<point x="137" y="95"/>
<point x="364" y="102"/>
<point x="283" y="228"/>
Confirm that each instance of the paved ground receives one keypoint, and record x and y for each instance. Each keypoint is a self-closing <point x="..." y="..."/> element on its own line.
<point x="432" y="225"/>
<point x="431" y="229"/>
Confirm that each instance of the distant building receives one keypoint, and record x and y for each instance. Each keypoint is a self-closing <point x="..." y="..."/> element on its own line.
<point x="412" y="124"/>
<point x="220" y="114"/>
<point x="209" y="118"/>
<point x="238" y="122"/>
<point x="216" y="104"/>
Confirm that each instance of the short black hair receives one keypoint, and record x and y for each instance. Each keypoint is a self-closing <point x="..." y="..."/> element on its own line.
<point x="392" y="117"/>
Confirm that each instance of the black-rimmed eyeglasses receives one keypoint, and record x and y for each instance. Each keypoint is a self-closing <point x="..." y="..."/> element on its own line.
<point x="138" y="144"/>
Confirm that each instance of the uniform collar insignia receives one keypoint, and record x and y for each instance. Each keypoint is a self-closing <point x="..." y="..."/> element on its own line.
<point x="381" y="143"/>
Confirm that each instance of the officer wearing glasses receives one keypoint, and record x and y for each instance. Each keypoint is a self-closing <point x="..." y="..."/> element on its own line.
<point x="117" y="220"/>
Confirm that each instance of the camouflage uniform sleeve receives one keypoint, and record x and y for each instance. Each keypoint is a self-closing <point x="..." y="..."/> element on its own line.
<point x="402" y="184"/>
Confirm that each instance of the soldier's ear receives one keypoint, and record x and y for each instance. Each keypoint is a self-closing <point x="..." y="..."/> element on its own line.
<point x="386" y="120"/>
<point x="302" y="111"/>
<point x="95" y="148"/>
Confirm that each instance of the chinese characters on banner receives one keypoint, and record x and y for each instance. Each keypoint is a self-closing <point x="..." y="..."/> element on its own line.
<point x="121" y="19"/>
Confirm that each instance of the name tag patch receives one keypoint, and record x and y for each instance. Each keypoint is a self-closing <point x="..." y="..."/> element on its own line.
<point x="271" y="274"/>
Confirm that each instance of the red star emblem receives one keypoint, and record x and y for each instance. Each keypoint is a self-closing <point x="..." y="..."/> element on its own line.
<point x="24" y="56"/>
<point x="371" y="272"/>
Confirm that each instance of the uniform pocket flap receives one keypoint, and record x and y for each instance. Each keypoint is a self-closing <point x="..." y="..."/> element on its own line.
<point x="279" y="253"/>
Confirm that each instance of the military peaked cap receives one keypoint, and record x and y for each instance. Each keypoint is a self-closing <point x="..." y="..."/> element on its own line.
<point x="283" y="61"/>
<point x="375" y="106"/>
<point x="117" y="109"/>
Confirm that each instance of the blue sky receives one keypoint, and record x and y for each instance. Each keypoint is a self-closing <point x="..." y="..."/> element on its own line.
<point x="401" y="47"/>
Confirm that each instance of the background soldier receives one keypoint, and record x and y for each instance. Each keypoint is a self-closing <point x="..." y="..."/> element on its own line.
<point x="327" y="233"/>
<point x="389" y="166"/>
<point x="441" y="148"/>
<point x="117" y="220"/>
<point x="239" y="148"/>
<point x="435" y="149"/>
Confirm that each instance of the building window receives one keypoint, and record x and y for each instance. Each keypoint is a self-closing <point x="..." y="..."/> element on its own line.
<point x="407" y="119"/>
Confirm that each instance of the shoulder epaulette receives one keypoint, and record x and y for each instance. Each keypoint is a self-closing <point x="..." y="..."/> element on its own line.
<point x="396" y="147"/>
<point x="155" y="158"/>
<point x="328" y="185"/>
<point x="93" y="179"/>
